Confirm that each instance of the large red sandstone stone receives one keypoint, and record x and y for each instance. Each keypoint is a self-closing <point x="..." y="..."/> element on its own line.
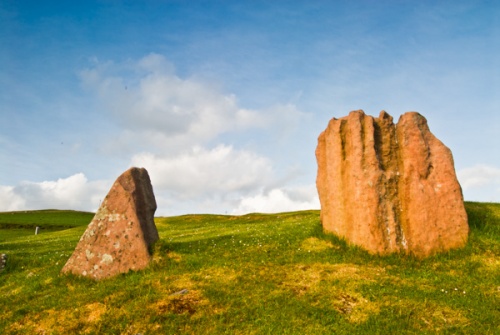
<point x="389" y="188"/>
<point x="121" y="233"/>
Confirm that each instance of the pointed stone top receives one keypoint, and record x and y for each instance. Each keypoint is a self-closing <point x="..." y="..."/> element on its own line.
<point x="385" y="116"/>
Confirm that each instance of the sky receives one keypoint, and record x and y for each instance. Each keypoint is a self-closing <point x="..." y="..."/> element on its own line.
<point x="222" y="101"/>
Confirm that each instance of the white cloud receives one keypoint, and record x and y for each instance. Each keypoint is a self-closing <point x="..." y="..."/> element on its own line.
<point x="9" y="200"/>
<point x="221" y="180"/>
<point x="74" y="192"/>
<point x="480" y="183"/>
<point x="280" y="200"/>
<point x="221" y="172"/>
<point x="478" y="176"/>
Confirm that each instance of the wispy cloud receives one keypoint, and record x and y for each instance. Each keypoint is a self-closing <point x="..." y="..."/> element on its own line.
<point x="147" y="97"/>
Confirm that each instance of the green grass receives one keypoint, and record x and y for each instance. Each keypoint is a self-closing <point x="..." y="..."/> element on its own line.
<point x="255" y="274"/>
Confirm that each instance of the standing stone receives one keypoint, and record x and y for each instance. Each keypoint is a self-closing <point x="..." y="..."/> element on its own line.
<point x="3" y="261"/>
<point x="389" y="188"/>
<point x="122" y="231"/>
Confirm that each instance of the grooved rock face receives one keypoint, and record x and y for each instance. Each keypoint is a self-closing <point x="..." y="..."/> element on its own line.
<point x="119" y="236"/>
<point x="389" y="188"/>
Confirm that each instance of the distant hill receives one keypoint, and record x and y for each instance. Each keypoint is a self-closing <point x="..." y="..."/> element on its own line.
<point x="51" y="219"/>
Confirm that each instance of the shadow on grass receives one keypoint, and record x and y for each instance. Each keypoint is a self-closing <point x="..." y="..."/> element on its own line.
<point x="481" y="215"/>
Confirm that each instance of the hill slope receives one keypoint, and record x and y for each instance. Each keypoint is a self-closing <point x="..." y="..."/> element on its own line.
<point x="52" y="219"/>
<point x="255" y="274"/>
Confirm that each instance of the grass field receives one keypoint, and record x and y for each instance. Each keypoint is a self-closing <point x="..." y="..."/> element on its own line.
<point x="251" y="274"/>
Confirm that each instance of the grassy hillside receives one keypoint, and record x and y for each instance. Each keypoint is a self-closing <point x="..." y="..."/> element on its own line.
<point x="255" y="274"/>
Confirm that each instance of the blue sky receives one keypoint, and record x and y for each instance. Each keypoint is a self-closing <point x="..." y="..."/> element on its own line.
<point x="223" y="101"/>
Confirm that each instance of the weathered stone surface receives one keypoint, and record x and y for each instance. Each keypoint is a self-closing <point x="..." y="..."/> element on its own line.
<point x="119" y="236"/>
<point x="389" y="188"/>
